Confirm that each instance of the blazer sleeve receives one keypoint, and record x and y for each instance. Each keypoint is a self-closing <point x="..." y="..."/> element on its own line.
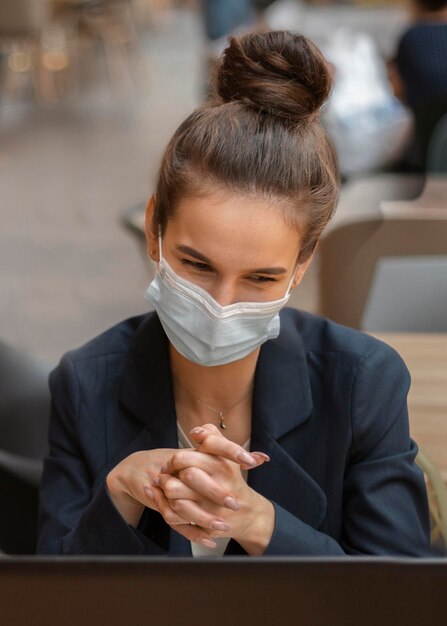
<point x="384" y="508"/>
<point x="73" y="519"/>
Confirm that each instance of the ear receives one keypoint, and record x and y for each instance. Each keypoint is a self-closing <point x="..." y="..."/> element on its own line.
<point x="151" y="237"/>
<point x="301" y="269"/>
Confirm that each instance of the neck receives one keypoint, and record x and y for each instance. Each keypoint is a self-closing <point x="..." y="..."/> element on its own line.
<point x="220" y="387"/>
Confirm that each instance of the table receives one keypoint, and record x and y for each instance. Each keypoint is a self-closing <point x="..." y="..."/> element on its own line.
<point x="426" y="357"/>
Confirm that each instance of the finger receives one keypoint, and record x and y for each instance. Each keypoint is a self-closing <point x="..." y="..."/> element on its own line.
<point x="261" y="456"/>
<point x="201" y="435"/>
<point x="191" y="511"/>
<point x="178" y="489"/>
<point x="202" y="483"/>
<point x="216" y="444"/>
<point x="148" y="498"/>
<point x="192" y="458"/>
<point x="169" y="515"/>
<point x="205" y="430"/>
<point x="173" y="488"/>
<point x="196" y="534"/>
<point x="179" y="512"/>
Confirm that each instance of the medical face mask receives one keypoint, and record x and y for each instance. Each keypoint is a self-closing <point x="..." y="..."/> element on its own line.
<point x="203" y="330"/>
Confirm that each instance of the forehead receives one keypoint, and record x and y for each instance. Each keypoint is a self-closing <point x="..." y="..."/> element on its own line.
<point x="249" y="229"/>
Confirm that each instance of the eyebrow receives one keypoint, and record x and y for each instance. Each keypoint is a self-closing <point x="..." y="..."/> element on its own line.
<point x="276" y="271"/>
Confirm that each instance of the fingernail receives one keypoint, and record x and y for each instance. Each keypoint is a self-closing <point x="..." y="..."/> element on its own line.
<point x="208" y="543"/>
<point x="262" y="455"/>
<point x="231" y="503"/>
<point x="156" y="481"/>
<point x="217" y="525"/>
<point x="149" y="493"/>
<point x="197" y="431"/>
<point x="246" y="458"/>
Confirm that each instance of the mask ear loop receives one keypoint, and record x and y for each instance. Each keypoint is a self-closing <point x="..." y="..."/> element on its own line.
<point x="292" y="278"/>
<point x="160" y="248"/>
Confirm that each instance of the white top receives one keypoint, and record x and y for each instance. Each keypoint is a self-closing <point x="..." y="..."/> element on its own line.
<point x="222" y="542"/>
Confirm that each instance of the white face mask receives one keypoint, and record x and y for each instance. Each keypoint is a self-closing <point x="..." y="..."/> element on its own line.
<point x="203" y="330"/>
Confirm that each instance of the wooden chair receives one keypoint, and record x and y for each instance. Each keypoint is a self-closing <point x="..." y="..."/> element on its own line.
<point x="437" y="499"/>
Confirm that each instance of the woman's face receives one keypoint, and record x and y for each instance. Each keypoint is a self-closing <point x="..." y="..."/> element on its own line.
<point x="237" y="247"/>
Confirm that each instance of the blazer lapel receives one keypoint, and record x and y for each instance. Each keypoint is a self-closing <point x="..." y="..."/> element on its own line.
<point x="146" y="390"/>
<point x="284" y="481"/>
<point x="283" y="402"/>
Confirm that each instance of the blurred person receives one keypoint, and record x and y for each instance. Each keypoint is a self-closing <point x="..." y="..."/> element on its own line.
<point x="222" y="17"/>
<point x="226" y="17"/>
<point x="419" y="72"/>
<point x="222" y="422"/>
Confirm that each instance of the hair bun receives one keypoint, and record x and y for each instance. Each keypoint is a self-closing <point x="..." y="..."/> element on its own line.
<point x="277" y="72"/>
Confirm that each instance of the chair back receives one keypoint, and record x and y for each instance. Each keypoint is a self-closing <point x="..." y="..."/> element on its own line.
<point x="427" y="118"/>
<point x="408" y="294"/>
<point x="351" y="249"/>
<point x="24" y="415"/>
<point x="437" y="149"/>
<point x="437" y="500"/>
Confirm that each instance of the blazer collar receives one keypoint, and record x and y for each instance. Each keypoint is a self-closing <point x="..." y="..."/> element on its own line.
<point x="282" y="398"/>
<point x="282" y="402"/>
<point x="146" y="389"/>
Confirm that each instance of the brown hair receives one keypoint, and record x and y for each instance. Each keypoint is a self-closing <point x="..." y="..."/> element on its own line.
<point x="260" y="134"/>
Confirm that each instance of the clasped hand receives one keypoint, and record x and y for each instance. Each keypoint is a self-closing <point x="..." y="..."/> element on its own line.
<point x="200" y="492"/>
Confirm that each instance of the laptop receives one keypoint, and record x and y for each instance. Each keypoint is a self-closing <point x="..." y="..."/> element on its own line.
<point x="233" y="591"/>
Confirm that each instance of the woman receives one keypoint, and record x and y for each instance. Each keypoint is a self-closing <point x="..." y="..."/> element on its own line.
<point x="246" y="186"/>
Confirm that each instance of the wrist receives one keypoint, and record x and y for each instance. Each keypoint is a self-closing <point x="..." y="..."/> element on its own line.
<point x="130" y="509"/>
<point x="260" y="526"/>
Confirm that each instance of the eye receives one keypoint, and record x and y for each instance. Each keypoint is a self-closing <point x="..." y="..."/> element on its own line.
<point x="257" y="278"/>
<point x="197" y="265"/>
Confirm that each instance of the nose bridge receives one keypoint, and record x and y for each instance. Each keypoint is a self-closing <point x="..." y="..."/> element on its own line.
<point x="224" y="291"/>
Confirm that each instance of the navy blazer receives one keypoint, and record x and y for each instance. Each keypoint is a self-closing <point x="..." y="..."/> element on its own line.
<point x="329" y="408"/>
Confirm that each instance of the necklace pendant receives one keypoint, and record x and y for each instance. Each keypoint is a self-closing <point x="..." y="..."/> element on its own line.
<point x="222" y="423"/>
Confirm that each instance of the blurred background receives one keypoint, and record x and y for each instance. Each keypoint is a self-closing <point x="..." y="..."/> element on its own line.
<point x="92" y="90"/>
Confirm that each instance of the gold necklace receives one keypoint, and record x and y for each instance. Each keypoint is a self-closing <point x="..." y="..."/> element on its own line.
<point x="223" y="412"/>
